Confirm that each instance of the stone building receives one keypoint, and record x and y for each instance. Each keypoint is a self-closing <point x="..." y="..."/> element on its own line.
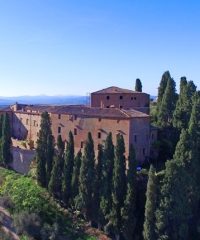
<point x="113" y="110"/>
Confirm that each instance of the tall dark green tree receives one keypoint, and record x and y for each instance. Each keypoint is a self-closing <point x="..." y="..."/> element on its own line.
<point x="167" y="106"/>
<point x="76" y="174"/>
<point x="6" y="142"/>
<point x="138" y="85"/>
<point x="162" y="87"/>
<point x="183" y="109"/>
<point x="119" y="186"/>
<point x="68" y="170"/>
<point x="129" y="209"/>
<point x="150" y="206"/>
<point x="87" y="179"/>
<point x="44" y="151"/>
<point x="174" y="211"/>
<point x="55" y="183"/>
<point x="98" y="186"/>
<point x="107" y="174"/>
<point x="1" y="125"/>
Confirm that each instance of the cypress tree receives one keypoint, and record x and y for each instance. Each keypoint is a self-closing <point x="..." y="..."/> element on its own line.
<point x="168" y="104"/>
<point x="107" y="173"/>
<point x="44" y="151"/>
<point x="119" y="186"/>
<point x="98" y="186"/>
<point x="138" y="85"/>
<point x="68" y="170"/>
<point x="87" y="178"/>
<point x="129" y="209"/>
<point x="1" y="125"/>
<point x="162" y="87"/>
<point x="55" y="183"/>
<point x="49" y="156"/>
<point x="183" y="109"/>
<point x="76" y="174"/>
<point x="174" y="211"/>
<point x="150" y="207"/>
<point x="6" y="141"/>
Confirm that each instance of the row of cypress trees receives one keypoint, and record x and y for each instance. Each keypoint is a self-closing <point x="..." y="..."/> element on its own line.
<point x="173" y="195"/>
<point x="100" y="188"/>
<point x="5" y="141"/>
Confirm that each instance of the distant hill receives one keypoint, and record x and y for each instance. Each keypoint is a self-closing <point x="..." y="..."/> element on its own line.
<point x="49" y="100"/>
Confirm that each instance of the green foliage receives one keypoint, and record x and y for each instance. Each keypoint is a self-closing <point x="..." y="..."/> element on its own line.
<point x="150" y="206"/>
<point x="44" y="151"/>
<point x="6" y="143"/>
<point x="68" y="169"/>
<point x="167" y="105"/>
<point x="119" y="185"/>
<point x="183" y="109"/>
<point x="107" y="174"/>
<point x="76" y="174"/>
<point x="128" y="211"/>
<point x="87" y="178"/>
<point x="138" y="85"/>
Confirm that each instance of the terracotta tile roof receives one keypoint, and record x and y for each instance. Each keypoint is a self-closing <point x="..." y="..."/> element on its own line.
<point x="82" y="110"/>
<point x="113" y="89"/>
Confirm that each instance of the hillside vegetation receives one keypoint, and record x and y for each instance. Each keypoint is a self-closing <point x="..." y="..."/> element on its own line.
<point x="35" y="215"/>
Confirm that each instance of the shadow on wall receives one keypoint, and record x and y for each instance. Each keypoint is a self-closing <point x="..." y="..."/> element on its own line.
<point x="22" y="159"/>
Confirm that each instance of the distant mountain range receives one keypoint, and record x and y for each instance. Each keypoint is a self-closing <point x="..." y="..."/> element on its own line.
<point x="48" y="100"/>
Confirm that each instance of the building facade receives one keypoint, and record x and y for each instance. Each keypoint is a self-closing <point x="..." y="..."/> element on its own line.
<point x="114" y="110"/>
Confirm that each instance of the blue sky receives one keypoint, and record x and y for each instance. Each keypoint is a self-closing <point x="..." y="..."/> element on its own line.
<point x="73" y="47"/>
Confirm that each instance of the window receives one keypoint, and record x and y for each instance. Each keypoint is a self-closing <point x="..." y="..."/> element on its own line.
<point x="99" y="134"/>
<point x="120" y="107"/>
<point x="99" y="119"/>
<point x="131" y="98"/>
<point x="75" y="131"/>
<point x="59" y="116"/>
<point x="75" y="117"/>
<point x="121" y="97"/>
<point x="59" y="129"/>
<point x="81" y="144"/>
<point x="27" y="121"/>
<point x="135" y="138"/>
<point x="135" y="98"/>
<point x="108" y="97"/>
<point x="34" y="123"/>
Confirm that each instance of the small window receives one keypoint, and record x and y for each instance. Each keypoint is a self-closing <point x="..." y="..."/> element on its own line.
<point x="75" y="117"/>
<point x="152" y="136"/>
<point x="108" y="97"/>
<point x="99" y="119"/>
<point x="99" y="134"/>
<point x="59" y="130"/>
<point x="121" y="97"/>
<point x="135" y="138"/>
<point x="27" y="121"/>
<point x="59" y="116"/>
<point x="108" y="106"/>
<point x="135" y="98"/>
<point x="120" y="107"/>
<point x="75" y="131"/>
<point x="81" y="144"/>
<point x="132" y="98"/>
<point x="34" y="123"/>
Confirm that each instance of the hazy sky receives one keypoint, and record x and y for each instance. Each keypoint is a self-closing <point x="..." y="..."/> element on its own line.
<point x="79" y="46"/>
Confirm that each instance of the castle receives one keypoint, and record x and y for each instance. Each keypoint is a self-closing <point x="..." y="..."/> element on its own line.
<point x="112" y="109"/>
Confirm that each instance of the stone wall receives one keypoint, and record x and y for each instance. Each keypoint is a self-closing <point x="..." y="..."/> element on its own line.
<point x="22" y="159"/>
